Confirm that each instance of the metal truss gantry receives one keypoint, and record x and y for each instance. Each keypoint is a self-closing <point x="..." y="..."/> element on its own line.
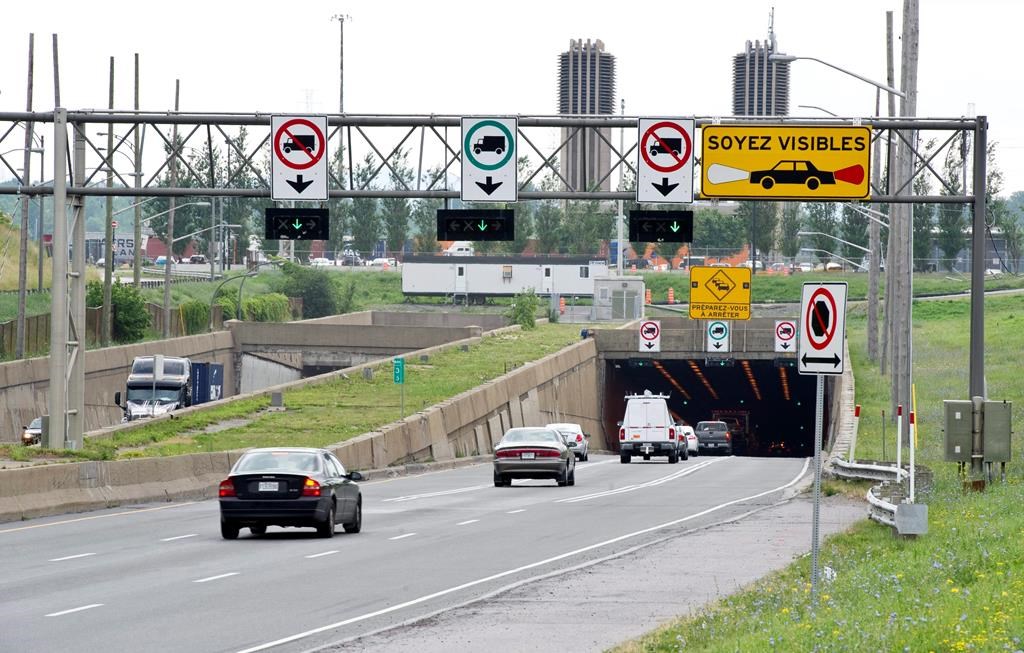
<point x="383" y="140"/>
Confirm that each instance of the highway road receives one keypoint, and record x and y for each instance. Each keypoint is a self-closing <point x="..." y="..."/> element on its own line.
<point x="160" y="578"/>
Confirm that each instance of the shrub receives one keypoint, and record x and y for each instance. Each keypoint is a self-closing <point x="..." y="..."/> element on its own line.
<point x="523" y="310"/>
<point x="129" y="319"/>
<point x="267" y="308"/>
<point x="196" y="316"/>
<point x="319" y="295"/>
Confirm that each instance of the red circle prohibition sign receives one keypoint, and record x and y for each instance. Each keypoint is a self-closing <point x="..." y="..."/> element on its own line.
<point x="314" y="158"/>
<point x="680" y="161"/>
<point x="655" y="331"/>
<point x="781" y="334"/>
<point x="812" y="314"/>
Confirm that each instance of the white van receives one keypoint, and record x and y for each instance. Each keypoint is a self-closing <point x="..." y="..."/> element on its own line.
<point x="460" y="248"/>
<point x="647" y="429"/>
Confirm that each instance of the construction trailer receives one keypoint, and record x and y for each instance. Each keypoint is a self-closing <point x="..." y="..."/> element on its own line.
<point x="474" y="279"/>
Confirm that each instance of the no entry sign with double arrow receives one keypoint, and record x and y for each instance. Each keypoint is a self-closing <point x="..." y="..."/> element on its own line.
<point x="298" y="167"/>
<point x="665" y="161"/>
<point x="822" y="329"/>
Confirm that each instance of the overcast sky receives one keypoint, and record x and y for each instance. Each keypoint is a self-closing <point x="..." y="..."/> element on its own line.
<point x="673" y="58"/>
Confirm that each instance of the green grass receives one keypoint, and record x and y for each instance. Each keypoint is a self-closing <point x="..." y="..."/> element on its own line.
<point x="958" y="588"/>
<point x="780" y="288"/>
<point x="335" y="410"/>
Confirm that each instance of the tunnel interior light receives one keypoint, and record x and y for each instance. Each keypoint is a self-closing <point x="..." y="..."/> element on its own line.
<point x="751" y="380"/>
<point x="675" y="384"/>
<point x="703" y="379"/>
<point x="784" y="381"/>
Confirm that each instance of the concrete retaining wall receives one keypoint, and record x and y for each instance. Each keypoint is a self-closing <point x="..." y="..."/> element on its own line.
<point x="562" y="387"/>
<point x="25" y="384"/>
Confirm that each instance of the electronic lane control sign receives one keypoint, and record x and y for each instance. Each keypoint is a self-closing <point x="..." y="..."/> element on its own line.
<point x="785" y="162"/>
<point x="660" y="226"/>
<point x="476" y="224"/>
<point x="297" y="224"/>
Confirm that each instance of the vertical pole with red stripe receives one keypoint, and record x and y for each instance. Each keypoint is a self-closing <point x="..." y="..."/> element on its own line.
<point x="899" y="441"/>
<point x="856" y="428"/>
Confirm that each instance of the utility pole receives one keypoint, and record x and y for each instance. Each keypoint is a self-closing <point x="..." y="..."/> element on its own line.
<point x="622" y="178"/>
<point x="108" y="238"/>
<point x="169" y="259"/>
<point x="341" y="18"/>
<point x="874" y="243"/>
<point x="137" y="230"/>
<point x="42" y="205"/>
<point x="902" y="222"/>
<point x="19" y="345"/>
<point x="887" y="328"/>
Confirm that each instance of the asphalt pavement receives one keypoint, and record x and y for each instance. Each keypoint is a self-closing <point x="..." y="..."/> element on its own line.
<point x="446" y="546"/>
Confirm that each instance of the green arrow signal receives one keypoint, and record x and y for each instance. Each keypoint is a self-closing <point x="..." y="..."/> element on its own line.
<point x="297" y="225"/>
<point x="675" y="227"/>
<point x="483" y="226"/>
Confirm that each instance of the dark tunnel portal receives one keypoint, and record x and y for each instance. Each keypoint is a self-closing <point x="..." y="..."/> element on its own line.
<point x="778" y="403"/>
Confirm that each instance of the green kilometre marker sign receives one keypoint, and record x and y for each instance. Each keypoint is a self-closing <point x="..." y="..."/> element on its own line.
<point x="399" y="371"/>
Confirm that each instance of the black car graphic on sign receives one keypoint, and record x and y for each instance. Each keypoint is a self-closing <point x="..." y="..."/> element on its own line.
<point x="650" y="330"/>
<point x="792" y="172"/>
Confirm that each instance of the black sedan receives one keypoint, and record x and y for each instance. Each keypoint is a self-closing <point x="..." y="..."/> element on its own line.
<point x="290" y="486"/>
<point x="792" y="172"/>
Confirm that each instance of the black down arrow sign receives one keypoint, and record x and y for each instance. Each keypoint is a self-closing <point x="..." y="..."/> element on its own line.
<point x="489" y="187"/>
<point x="648" y="344"/>
<point x="298" y="184"/>
<point x="664" y="187"/>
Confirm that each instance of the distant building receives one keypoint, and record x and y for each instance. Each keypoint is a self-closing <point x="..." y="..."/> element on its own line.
<point x="760" y="87"/>
<point x="586" y="86"/>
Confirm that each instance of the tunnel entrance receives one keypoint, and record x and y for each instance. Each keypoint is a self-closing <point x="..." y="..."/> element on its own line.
<point x="775" y="403"/>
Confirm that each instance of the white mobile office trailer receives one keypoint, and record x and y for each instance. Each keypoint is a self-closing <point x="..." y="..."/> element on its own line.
<point x="475" y="278"/>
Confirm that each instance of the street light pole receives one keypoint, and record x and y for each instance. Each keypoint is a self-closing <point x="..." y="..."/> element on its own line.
<point x="784" y="58"/>
<point x="170" y="220"/>
<point x="845" y="242"/>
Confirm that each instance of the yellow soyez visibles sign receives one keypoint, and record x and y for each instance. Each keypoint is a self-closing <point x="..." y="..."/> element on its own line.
<point x="783" y="161"/>
<point x="719" y="293"/>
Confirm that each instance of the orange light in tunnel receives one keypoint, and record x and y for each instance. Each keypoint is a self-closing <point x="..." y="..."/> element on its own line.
<point x="784" y="380"/>
<point x="703" y="379"/>
<point x="675" y="384"/>
<point x="751" y="379"/>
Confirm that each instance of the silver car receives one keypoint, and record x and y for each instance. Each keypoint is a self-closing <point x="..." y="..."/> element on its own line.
<point x="533" y="452"/>
<point x="574" y="436"/>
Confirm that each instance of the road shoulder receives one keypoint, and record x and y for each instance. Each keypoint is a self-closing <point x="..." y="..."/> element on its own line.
<point x="596" y="607"/>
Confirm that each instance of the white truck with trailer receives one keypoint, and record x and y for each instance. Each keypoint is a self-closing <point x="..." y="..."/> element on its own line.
<point x="647" y="429"/>
<point x="473" y="279"/>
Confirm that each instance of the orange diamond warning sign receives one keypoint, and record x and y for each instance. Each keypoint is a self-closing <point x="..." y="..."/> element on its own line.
<point x="719" y="293"/>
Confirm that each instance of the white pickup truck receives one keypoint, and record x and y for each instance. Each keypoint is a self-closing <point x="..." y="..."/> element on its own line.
<point x="647" y="430"/>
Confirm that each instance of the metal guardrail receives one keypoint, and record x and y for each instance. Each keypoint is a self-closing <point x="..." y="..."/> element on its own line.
<point x="884" y="497"/>
<point x="882" y="511"/>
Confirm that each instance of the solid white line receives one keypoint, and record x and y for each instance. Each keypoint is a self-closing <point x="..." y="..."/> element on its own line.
<point x="320" y="555"/>
<point x="178" y="537"/>
<point x="629" y="488"/>
<point x="206" y="580"/>
<point x="84" y="607"/>
<point x="115" y="514"/>
<point x="512" y="512"/>
<point x="468" y="521"/>
<point x="427" y="495"/>
<point x="532" y="565"/>
<point x="401" y="537"/>
<point x="80" y="555"/>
